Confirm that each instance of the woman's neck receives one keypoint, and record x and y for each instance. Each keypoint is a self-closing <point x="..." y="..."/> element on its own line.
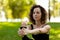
<point x="38" y="23"/>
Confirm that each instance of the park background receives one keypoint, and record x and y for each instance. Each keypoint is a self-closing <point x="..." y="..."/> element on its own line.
<point x="12" y="12"/>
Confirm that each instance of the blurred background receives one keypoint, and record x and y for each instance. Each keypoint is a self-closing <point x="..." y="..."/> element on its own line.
<point x="12" y="12"/>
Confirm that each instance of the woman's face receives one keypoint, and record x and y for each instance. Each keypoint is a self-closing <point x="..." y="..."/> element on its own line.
<point x="36" y="14"/>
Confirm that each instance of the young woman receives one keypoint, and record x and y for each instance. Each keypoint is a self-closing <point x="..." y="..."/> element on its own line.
<point x="39" y="28"/>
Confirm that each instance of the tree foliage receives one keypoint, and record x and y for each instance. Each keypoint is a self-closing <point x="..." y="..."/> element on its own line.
<point x="20" y="7"/>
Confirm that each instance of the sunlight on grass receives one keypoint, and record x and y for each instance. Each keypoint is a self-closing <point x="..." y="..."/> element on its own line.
<point x="8" y="24"/>
<point x="51" y="36"/>
<point x="52" y="31"/>
<point x="58" y="35"/>
<point x="57" y="31"/>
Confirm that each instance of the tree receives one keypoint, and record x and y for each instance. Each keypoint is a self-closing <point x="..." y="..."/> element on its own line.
<point x="20" y="7"/>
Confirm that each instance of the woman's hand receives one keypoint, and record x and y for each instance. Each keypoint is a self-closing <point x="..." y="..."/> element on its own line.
<point x="21" y="32"/>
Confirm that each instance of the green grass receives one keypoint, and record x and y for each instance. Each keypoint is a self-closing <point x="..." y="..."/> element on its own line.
<point x="8" y="31"/>
<point x="55" y="31"/>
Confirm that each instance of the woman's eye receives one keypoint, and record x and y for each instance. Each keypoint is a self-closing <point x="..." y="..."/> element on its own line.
<point x="33" y="12"/>
<point x="36" y="12"/>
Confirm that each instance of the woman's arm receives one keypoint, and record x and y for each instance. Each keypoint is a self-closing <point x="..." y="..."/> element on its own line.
<point x="34" y="31"/>
<point x="45" y="29"/>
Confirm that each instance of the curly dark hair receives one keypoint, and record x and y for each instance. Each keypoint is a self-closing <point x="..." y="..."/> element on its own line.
<point x="43" y="14"/>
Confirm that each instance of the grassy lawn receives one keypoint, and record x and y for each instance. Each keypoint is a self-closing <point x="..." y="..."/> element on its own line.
<point x="8" y="31"/>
